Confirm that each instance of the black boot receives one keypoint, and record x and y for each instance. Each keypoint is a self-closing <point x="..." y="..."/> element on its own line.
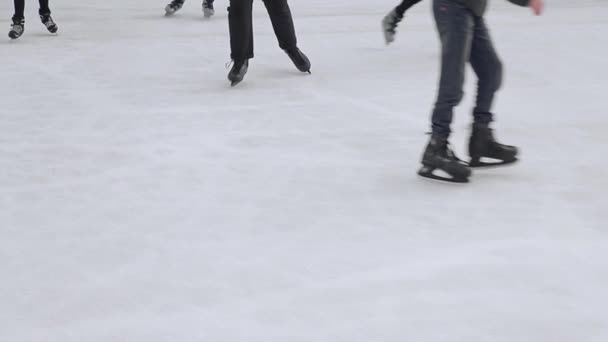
<point x="439" y="157"/>
<point x="299" y="59"/>
<point x="238" y="71"/>
<point x="483" y="145"/>
<point x="17" y="28"/>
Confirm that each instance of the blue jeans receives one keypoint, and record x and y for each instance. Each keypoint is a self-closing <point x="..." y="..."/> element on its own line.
<point x="464" y="37"/>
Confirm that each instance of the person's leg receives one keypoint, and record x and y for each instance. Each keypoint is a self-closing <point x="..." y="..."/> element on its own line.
<point x="282" y="23"/>
<point x="19" y="10"/>
<point x="393" y="18"/>
<point x="45" y="16"/>
<point x="284" y="30"/>
<point x="240" y="24"/>
<point x="488" y="68"/>
<point x="18" y="20"/>
<point x="44" y="7"/>
<point x="404" y="6"/>
<point x="483" y="147"/>
<point x="455" y="24"/>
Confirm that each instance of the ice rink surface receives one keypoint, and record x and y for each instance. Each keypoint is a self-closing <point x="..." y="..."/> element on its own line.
<point x="144" y="200"/>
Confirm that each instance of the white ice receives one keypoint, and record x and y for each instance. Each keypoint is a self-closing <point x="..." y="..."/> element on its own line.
<point x="144" y="200"/>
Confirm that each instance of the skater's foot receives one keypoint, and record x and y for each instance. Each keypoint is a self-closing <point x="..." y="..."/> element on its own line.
<point x="440" y="163"/>
<point x="299" y="59"/>
<point x="17" y="28"/>
<point x="173" y="7"/>
<point x="238" y="71"/>
<point x="208" y="10"/>
<point x="48" y="23"/>
<point x="486" y="151"/>
<point x="389" y="25"/>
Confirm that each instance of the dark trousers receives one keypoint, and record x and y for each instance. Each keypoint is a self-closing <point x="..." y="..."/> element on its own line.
<point x="240" y="23"/>
<point x="20" y="8"/>
<point x="405" y="5"/>
<point x="464" y="37"/>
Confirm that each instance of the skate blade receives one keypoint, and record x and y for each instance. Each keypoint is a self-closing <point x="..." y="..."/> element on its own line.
<point x="428" y="173"/>
<point x="490" y="165"/>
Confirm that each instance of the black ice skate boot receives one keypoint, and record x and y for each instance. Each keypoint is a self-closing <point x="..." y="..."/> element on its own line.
<point x="482" y="145"/>
<point x="238" y="71"/>
<point x="48" y="23"/>
<point x="208" y="10"/>
<point x="439" y="157"/>
<point x="299" y="59"/>
<point x="173" y="7"/>
<point x="389" y="25"/>
<point x="17" y="28"/>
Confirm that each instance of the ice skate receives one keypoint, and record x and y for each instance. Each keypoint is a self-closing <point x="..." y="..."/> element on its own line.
<point x="238" y="71"/>
<point x="440" y="163"/>
<point x="173" y="7"/>
<point x="299" y="59"/>
<point x="17" y="28"/>
<point x="485" y="151"/>
<point x="48" y="23"/>
<point x="389" y="25"/>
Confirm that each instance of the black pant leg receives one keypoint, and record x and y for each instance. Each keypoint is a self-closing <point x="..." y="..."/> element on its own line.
<point x="19" y="9"/>
<point x="282" y="23"/>
<point x="455" y="24"/>
<point x="488" y="68"/>
<point x="240" y="24"/>
<point x="44" y="7"/>
<point x="405" y="5"/>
